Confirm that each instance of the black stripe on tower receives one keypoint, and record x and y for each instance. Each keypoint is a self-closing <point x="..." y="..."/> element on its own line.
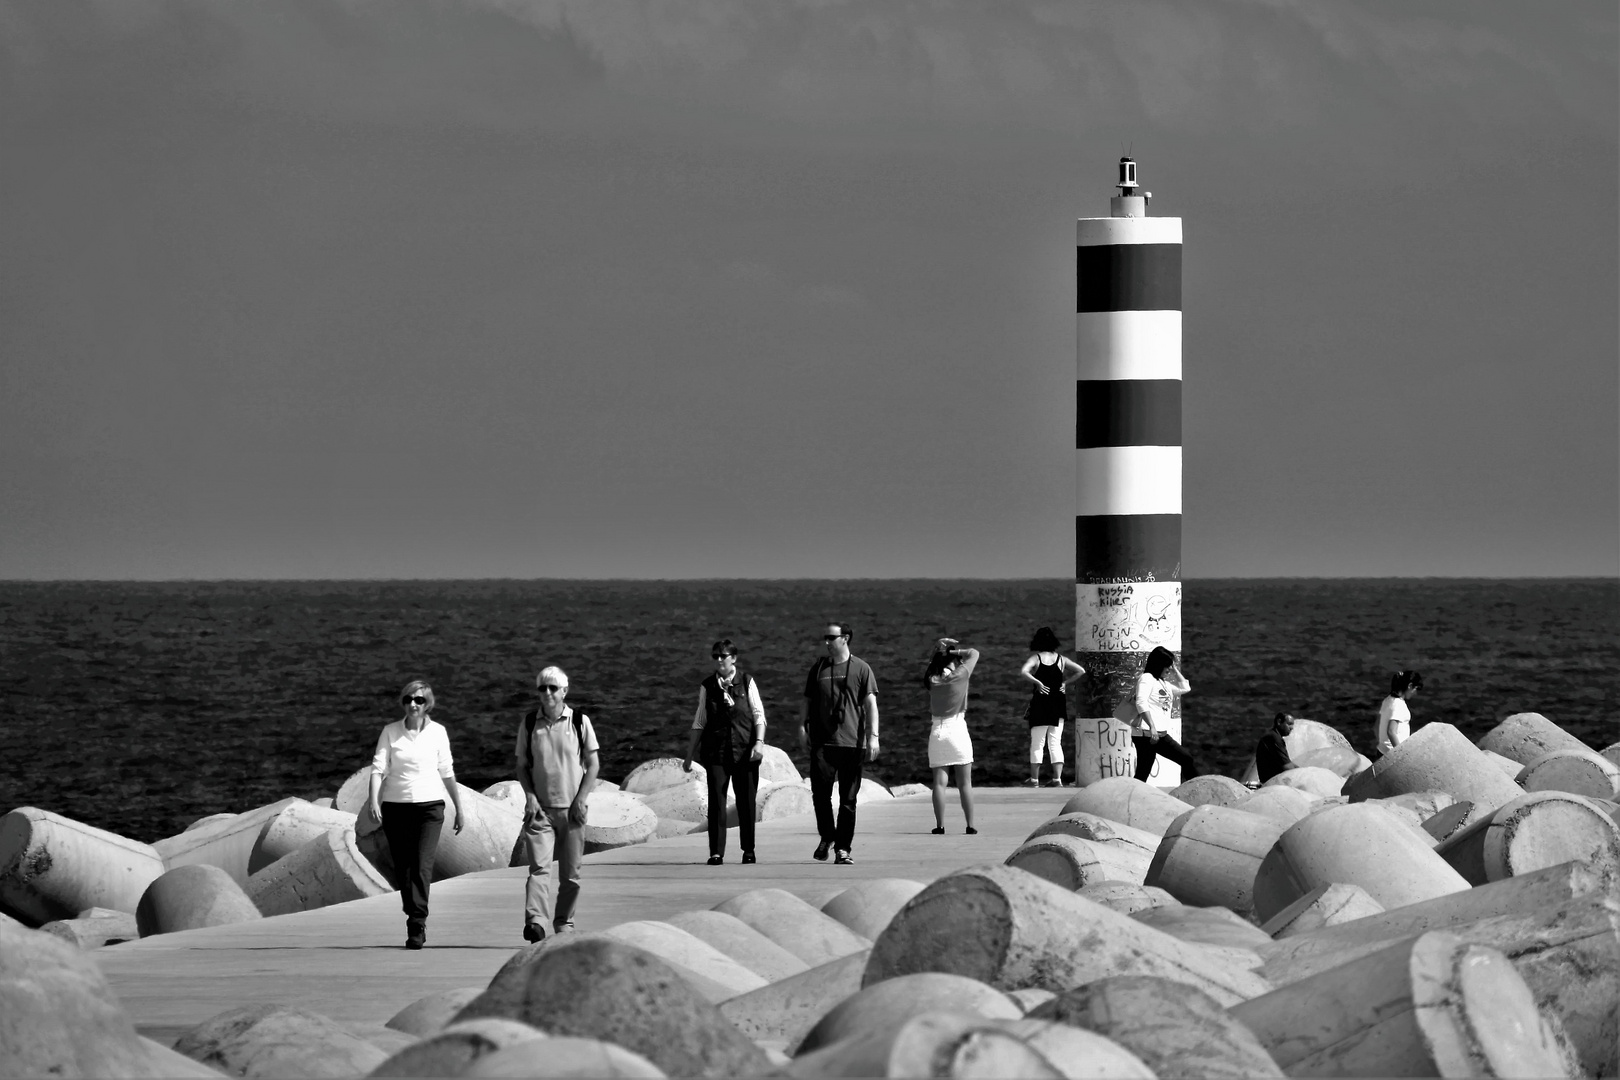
<point x="1127" y="547"/>
<point x="1128" y="277"/>
<point x="1127" y="412"/>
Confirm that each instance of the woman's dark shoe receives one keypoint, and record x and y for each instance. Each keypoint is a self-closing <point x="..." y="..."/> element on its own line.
<point x="748" y="857"/>
<point x="939" y="830"/>
<point x="971" y="831"/>
<point x="716" y="860"/>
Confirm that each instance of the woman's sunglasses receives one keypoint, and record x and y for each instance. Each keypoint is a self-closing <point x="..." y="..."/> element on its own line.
<point x="414" y="699"/>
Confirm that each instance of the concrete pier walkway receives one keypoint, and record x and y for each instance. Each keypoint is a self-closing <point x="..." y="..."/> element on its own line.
<point x="347" y="962"/>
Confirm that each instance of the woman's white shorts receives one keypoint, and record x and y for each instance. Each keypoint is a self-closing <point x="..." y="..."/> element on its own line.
<point x="949" y="743"/>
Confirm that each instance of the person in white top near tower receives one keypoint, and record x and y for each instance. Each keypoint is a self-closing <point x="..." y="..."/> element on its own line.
<point x="1394" y="718"/>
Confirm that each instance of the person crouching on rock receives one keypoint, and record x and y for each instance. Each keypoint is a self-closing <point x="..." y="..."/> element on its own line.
<point x="728" y="737"/>
<point x="556" y="767"/>
<point x="411" y="773"/>
<point x="1271" y="752"/>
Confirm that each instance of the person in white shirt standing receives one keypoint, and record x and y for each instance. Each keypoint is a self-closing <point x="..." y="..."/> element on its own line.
<point x="1147" y="709"/>
<point x="557" y="763"/>
<point x="1394" y="718"/>
<point x="411" y="775"/>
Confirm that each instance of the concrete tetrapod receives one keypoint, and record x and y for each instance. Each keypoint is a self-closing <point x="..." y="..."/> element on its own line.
<point x="614" y="820"/>
<point x="1210" y="855"/>
<point x="486" y="841"/>
<point x="1084" y="826"/>
<point x="52" y="867"/>
<point x="94" y="927"/>
<point x="1579" y="772"/>
<point x="1311" y="779"/>
<point x="1358" y="845"/>
<point x="191" y="897"/>
<point x="429" y="1015"/>
<point x="1342" y="761"/>
<point x="776" y="767"/>
<point x="687" y="800"/>
<point x="1525" y="736"/>
<point x="228" y="843"/>
<point x="1325" y="905"/>
<point x="564" y="1057"/>
<point x="944" y="1044"/>
<point x="711" y="972"/>
<point x="451" y="1051"/>
<point x="660" y="773"/>
<point x="278" y="1041"/>
<point x="1448" y="822"/>
<point x="795" y="925"/>
<point x="327" y="870"/>
<point x="296" y="825"/>
<point x="1533" y="832"/>
<point x="1011" y="929"/>
<point x="886" y="1005"/>
<point x="1210" y="790"/>
<point x="779" y="1015"/>
<point x="1076" y="1053"/>
<point x="1175" y="1029"/>
<point x="782" y="800"/>
<point x="1284" y="805"/>
<point x="58" y="1016"/>
<point x="597" y="988"/>
<point x="1129" y="802"/>
<point x="1430" y="1006"/>
<point x="1308" y="735"/>
<point x="1128" y="899"/>
<point x="1213" y="926"/>
<point x="1072" y="863"/>
<point x="867" y="907"/>
<point x="750" y="948"/>
<point x="1436" y="757"/>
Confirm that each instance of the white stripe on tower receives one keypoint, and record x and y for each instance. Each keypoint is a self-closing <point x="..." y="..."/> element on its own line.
<point x="1127" y="466"/>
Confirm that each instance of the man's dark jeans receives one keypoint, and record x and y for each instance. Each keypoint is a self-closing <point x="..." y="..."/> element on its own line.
<point x="840" y="765"/>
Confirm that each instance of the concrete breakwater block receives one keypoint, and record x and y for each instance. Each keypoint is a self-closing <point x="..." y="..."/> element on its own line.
<point x="871" y="788"/>
<point x="1084" y="826"/>
<point x="488" y="840"/>
<point x="1342" y="761"/>
<point x="1215" y="926"/>
<point x="614" y="820"/>
<point x="1284" y="805"/>
<point x="780" y="1014"/>
<point x="509" y="793"/>
<point x="888" y="1004"/>
<point x="1210" y="855"/>
<point x="353" y="795"/>
<point x="58" y="1016"/>
<point x="1445" y="824"/>
<point x="1358" y="845"/>
<point x="909" y="791"/>
<point x="451" y="1051"/>
<point x="1210" y="790"/>
<point x="52" y="867"/>
<point x="1433" y="1005"/>
<point x="190" y="897"/>
<point x="1506" y="764"/>
<point x="1072" y="863"/>
<point x="328" y="870"/>
<point x="94" y="927"/>
<point x="1129" y="802"/>
<point x="1307" y="736"/>
<point x="1525" y="736"/>
<point x="1422" y="805"/>
<point x="947" y="1044"/>
<point x="277" y="1040"/>
<point x="596" y="988"/>
<point x="1311" y="779"/>
<point x="795" y="925"/>
<point x="783" y="800"/>
<point x="711" y="972"/>
<point x="1579" y="772"/>
<point x="429" y="1015"/>
<point x="1076" y="1053"/>
<point x="660" y="773"/>
<point x="562" y="1056"/>
<point x="1533" y="832"/>
<point x="776" y="767"/>
<point x="1030" y="996"/>
<point x="1325" y="905"/>
<point x="1436" y="757"/>
<point x="747" y="946"/>
<point x="1128" y="899"/>
<point x="227" y="843"/>
<point x="296" y="825"/>
<point x="687" y="800"/>
<point x="668" y="826"/>
<point x="867" y="907"/>
<point x="1612" y="753"/>
<point x="1175" y="1029"/>
<point x="208" y="820"/>
<point x="1011" y="929"/>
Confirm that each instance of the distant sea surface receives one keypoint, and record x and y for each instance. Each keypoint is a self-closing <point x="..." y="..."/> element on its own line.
<point x="140" y="707"/>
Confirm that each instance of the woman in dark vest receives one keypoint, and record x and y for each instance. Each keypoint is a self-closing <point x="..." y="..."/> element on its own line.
<point x="728" y="739"/>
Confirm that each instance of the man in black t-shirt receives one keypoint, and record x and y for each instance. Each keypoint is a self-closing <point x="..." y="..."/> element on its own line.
<point x="1271" y="752"/>
<point x="838" y="725"/>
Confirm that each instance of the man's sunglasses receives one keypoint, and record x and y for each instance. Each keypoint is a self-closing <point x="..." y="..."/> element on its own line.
<point x="548" y="688"/>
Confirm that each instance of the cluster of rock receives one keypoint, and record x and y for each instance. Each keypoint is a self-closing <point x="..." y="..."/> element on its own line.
<point x="93" y="887"/>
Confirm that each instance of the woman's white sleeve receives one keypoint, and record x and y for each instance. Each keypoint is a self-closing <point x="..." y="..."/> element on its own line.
<point x="447" y="764"/>
<point x="379" y="760"/>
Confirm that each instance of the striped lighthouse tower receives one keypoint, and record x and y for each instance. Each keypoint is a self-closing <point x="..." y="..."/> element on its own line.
<point x="1127" y="526"/>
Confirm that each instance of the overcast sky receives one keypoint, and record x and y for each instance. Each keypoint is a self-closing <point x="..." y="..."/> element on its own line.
<point x="334" y="288"/>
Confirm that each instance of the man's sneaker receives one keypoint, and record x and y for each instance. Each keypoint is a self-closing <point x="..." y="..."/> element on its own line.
<point x="820" y="854"/>
<point x="843" y="858"/>
<point x="748" y="857"/>
<point x="569" y="929"/>
<point x="1054" y="783"/>
<point x="533" y="933"/>
<point x="1032" y="782"/>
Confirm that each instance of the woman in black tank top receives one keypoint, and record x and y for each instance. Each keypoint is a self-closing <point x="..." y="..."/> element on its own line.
<point x="1050" y="672"/>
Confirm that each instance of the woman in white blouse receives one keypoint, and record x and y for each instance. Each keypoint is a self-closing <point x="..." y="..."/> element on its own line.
<point x="1394" y="717"/>
<point x="1147" y="709"/>
<point x="411" y="773"/>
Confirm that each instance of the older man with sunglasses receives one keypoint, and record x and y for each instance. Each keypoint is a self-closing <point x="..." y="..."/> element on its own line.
<point x="556" y="767"/>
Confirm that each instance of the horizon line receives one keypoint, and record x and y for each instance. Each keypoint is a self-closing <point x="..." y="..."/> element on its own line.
<point x="650" y="580"/>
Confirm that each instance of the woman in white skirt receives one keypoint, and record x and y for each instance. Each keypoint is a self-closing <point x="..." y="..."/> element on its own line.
<point x="949" y="746"/>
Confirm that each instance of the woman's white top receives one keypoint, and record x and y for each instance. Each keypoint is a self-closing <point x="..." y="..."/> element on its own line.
<point x="413" y="766"/>
<point x="1394" y="723"/>
<point x="1152" y="696"/>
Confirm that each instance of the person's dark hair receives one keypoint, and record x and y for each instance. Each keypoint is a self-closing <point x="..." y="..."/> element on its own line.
<point x="1045" y="641"/>
<point x="724" y="645"/>
<point x="1402" y="681"/>
<point x="843" y="629"/>
<point x="936" y="664"/>
<point x="1159" y="661"/>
